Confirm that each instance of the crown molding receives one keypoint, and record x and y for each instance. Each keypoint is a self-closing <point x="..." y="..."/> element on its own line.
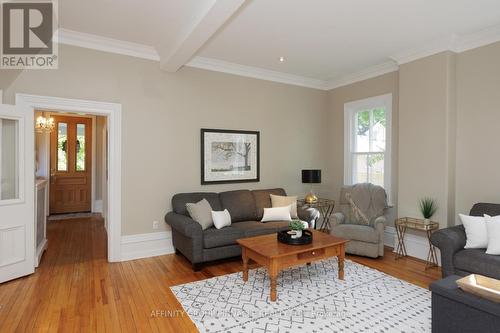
<point x="454" y="43"/>
<point x="365" y="74"/>
<point x="256" y="73"/>
<point x="435" y="47"/>
<point x="477" y="39"/>
<point x="95" y="42"/>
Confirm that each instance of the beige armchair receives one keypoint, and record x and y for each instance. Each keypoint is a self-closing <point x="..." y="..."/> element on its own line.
<point x="363" y="225"/>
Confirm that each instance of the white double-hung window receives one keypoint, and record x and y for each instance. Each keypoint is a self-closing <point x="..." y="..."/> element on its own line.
<point x="367" y="130"/>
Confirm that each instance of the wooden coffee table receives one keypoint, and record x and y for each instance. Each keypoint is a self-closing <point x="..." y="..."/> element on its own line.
<point x="266" y="250"/>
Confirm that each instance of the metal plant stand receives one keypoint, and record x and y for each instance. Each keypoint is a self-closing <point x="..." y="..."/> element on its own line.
<point x="325" y="207"/>
<point x="405" y="223"/>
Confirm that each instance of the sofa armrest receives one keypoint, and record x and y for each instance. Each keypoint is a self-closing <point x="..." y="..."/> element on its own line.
<point x="309" y="215"/>
<point x="337" y="218"/>
<point x="184" y="225"/>
<point x="449" y="241"/>
<point x="379" y="224"/>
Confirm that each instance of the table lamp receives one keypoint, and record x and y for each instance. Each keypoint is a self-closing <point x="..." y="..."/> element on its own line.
<point x="311" y="177"/>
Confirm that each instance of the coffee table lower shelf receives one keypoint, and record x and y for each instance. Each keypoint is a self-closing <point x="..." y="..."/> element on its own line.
<point x="281" y="256"/>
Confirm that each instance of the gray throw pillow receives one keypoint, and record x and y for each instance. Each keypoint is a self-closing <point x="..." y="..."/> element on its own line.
<point x="201" y="212"/>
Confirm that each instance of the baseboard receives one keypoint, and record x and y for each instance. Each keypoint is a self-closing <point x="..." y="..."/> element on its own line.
<point x="416" y="246"/>
<point x="146" y="245"/>
<point x="97" y="206"/>
<point x="39" y="252"/>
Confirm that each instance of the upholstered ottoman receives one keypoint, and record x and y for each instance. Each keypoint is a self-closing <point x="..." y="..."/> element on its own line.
<point x="454" y="310"/>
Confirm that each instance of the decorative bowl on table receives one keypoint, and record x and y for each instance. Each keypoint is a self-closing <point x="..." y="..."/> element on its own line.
<point x="287" y="237"/>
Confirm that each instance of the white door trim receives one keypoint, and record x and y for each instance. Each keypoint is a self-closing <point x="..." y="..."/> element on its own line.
<point x="113" y="112"/>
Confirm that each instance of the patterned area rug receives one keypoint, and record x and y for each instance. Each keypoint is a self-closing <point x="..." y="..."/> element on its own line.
<point x="310" y="299"/>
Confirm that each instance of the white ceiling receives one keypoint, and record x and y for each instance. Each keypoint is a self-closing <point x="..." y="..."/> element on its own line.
<point x="320" y="39"/>
<point x="157" y="23"/>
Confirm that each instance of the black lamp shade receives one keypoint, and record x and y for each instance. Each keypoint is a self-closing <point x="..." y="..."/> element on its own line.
<point x="311" y="176"/>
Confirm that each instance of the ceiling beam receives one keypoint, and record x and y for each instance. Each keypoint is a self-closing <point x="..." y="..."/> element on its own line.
<point x="205" y="27"/>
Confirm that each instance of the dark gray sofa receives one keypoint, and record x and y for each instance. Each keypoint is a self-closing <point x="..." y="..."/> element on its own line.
<point x="455" y="260"/>
<point x="246" y="209"/>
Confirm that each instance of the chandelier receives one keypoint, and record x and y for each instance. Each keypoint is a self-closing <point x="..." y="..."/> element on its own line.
<point x="44" y="125"/>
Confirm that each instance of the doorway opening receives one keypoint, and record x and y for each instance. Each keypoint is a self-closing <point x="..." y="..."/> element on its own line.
<point x="71" y="170"/>
<point x="72" y="157"/>
<point x="111" y="198"/>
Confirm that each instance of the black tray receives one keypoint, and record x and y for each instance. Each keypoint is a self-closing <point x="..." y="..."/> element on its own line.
<point x="286" y="238"/>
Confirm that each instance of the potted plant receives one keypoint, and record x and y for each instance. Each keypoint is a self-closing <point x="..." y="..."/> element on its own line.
<point x="428" y="208"/>
<point x="296" y="227"/>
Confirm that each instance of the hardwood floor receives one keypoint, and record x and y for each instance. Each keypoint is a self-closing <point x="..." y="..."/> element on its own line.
<point x="76" y="290"/>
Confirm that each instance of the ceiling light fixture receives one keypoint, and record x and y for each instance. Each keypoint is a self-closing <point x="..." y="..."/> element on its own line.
<point x="44" y="125"/>
<point x="282" y="59"/>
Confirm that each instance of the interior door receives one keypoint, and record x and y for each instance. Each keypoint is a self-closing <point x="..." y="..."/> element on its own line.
<point x="71" y="165"/>
<point x="17" y="192"/>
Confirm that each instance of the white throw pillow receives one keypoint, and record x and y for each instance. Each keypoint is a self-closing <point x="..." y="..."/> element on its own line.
<point x="277" y="214"/>
<point x="493" y="227"/>
<point x="475" y="231"/>
<point x="282" y="201"/>
<point x="221" y="218"/>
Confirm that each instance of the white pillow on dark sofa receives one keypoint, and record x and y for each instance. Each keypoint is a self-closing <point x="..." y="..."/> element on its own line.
<point x="277" y="214"/>
<point x="475" y="231"/>
<point x="493" y="227"/>
<point x="221" y="218"/>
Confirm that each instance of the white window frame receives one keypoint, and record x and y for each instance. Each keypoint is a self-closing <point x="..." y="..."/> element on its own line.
<point x="350" y="110"/>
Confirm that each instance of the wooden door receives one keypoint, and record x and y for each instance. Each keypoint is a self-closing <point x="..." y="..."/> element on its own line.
<point x="70" y="165"/>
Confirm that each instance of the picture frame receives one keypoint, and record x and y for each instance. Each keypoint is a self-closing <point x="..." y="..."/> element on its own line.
<point x="229" y="156"/>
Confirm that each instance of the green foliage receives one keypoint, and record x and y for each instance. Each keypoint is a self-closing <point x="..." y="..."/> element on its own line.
<point x="364" y="120"/>
<point x="428" y="207"/>
<point x="296" y="225"/>
<point x="374" y="159"/>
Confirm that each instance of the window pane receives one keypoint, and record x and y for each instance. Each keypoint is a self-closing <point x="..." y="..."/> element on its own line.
<point x="376" y="169"/>
<point x="377" y="139"/>
<point x="361" y="138"/>
<point x="80" y="147"/>
<point x="368" y="168"/>
<point x="62" y="147"/>
<point x="9" y="158"/>
<point x="359" y="168"/>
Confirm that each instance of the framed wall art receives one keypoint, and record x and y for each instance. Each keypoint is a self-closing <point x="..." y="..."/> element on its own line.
<point x="229" y="156"/>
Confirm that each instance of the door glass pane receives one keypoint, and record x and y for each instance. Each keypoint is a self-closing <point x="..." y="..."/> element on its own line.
<point x="9" y="157"/>
<point x="361" y="138"/>
<point x="62" y="147"/>
<point x="377" y="139"/>
<point x="80" y="147"/>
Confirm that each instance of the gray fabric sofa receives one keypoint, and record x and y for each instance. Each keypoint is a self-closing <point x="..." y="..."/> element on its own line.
<point x="455" y="260"/>
<point x="364" y="240"/>
<point x="246" y="209"/>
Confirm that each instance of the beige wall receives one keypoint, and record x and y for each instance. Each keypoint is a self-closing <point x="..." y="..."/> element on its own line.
<point x="380" y="85"/>
<point x="162" y="117"/>
<point x="478" y="127"/>
<point x="445" y="116"/>
<point x="425" y="119"/>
